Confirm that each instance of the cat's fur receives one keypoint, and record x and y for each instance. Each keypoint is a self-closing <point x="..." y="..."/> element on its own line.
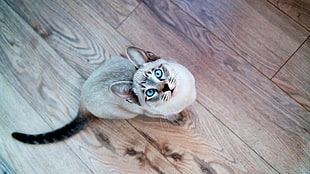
<point x="121" y="89"/>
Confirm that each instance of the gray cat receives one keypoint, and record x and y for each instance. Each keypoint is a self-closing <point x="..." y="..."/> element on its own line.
<point x="143" y="84"/>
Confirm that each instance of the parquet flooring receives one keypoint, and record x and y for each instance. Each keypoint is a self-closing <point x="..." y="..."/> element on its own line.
<point x="297" y="10"/>
<point x="294" y="77"/>
<point x="251" y="64"/>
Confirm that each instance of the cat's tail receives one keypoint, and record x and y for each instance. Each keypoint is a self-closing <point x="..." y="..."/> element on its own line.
<point x="80" y="121"/>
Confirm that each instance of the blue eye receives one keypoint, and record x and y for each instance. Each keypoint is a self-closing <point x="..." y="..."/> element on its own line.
<point x="150" y="92"/>
<point x="158" y="73"/>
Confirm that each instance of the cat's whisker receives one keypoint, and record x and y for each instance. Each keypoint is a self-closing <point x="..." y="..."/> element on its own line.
<point x="167" y="97"/>
<point x="173" y="80"/>
<point x="164" y="97"/>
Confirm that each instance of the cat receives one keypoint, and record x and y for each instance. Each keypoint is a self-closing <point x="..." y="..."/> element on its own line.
<point x="123" y="88"/>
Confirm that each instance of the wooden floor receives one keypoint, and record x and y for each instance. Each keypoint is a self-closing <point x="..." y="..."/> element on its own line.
<point x="251" y="61"/>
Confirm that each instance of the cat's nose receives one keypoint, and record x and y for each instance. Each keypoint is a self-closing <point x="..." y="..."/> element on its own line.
<point x="166" y="88"/>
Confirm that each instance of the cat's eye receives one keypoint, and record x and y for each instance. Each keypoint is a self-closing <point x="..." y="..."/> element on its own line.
<point x="150" y="92"/>
<point x="158" y="73"/>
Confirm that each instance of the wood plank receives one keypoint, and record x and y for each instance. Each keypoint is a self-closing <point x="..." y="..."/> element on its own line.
<point x="201" y="144"/>
<point x="73" y="30"/>
<point x="112" y="11"/>
<point x="294" y="77"/>
<point x="256" y="30"/>
<point x="51" y="87"/>
<point x="298" y="10"/>
<point x="4" y="167"/>
<point x="248" y="103"/>
<point x="44" y="159"/>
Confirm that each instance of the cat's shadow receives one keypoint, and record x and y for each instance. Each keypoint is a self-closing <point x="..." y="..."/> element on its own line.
<point x="176" y="120"/>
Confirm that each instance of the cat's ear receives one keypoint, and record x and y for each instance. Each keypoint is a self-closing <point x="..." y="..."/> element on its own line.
<point x="123" y="89"/>
<point x="138" y="56"/>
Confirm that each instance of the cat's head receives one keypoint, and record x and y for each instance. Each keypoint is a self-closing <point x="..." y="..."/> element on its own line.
<point x="160" y="85"/>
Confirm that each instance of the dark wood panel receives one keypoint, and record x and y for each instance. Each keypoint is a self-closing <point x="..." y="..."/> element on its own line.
<point x="255" y="109"/>
<point x="73" y="30"/>
<point x="294" y="77"/>
<point x="299" y="10"/>
<point x="51" y="88"/>
<point x="258" y="31"/>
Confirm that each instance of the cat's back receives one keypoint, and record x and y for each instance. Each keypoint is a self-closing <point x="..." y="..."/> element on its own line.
<point x="96" y="96"/>
<point x="112" y="70"/>
<point x="118" y="68"/>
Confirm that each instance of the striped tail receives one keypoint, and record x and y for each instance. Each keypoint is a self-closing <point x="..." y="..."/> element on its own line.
<point x="57" y="135"/>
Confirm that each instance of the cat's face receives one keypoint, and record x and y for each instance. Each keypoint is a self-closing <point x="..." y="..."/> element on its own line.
<point x="155" y="83"/>
<point x="160" y="86"/>
<point x="164" y="87"/>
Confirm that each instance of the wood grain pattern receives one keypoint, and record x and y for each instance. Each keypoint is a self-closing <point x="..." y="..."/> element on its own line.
<point x="254" y="29"/>
<point x="294" y="77"/>
<point x="241" y="123"/>
<point x="73" y="31"/>
<point x="17" y="114"/>
<point x="4" y="167"/>
<point x="132" y="151"/>
<point x="51" y="87"/>
<point x="199" y="143"/>
<point x="298" y="10"/>
<point x="112" y="11"/>
<point x="255" y="109"/>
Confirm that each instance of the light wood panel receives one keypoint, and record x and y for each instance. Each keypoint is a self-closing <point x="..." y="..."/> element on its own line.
<point x="294" y="77"/>
<point x="232" y="166"/>
<point x="4" y="167"/>
<point x="199" y="143"/>
<point x="17" y="114"/>
<point x="51" y="87"/>
<point x="298" y="10"/>
<point x="263" y="122"/>
<point x="73" y="30"/>
<point x="248" y="103"/>
<point x="255" y="29"/>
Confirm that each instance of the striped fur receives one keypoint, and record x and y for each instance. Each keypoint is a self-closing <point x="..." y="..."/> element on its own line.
<point x="56" y="135"/>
